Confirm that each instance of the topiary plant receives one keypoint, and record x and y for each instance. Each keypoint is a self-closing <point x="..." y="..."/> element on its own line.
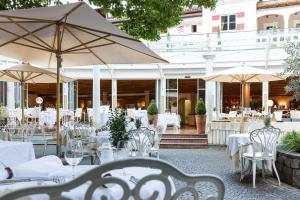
<point x="152" y="108"/>
<point x="117" y="126"/>
<point x="267" y="121"/>
<point x="200" y="107"/>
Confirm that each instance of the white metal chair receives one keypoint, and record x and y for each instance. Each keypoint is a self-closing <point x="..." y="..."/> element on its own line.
<point x="263" y="143"/>
<point x="193" y="187"/>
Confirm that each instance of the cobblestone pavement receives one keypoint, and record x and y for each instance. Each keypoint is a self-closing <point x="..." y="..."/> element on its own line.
<point x="215" y="161"/>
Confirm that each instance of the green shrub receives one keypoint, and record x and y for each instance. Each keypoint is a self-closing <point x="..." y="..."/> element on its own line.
<point x="267" y="121"/>
<point x="152" y="108"/>
<point x="117" y="126"/>
<point x="291" y="142"/>
<point x="200" y="107"/>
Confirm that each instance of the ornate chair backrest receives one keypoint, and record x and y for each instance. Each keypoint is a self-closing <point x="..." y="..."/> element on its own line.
<point x="265" y="139"/>
<point x="141" y="140"/>
<point x="193" y="187"/>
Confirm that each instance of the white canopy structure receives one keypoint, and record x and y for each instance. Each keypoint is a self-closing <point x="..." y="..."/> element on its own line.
<point x="68" y="35"/>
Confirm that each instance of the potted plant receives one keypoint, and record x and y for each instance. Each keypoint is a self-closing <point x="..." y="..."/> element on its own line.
<point x="117" y="126"/>
<point x="152" y="113"/>
<point x="200" y="116"/>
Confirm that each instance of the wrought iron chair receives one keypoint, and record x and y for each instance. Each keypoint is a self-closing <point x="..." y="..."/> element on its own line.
<point x="142" y="140"/>
<point x="194" y="186"/>
<point x="263" y="145"/>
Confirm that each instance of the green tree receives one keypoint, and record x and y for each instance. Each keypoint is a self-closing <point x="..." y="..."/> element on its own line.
<point x="143" y="18"/>
<point x="293" y="67"/>
<point x="23" y="4"/>
<point x="147" y="18"/>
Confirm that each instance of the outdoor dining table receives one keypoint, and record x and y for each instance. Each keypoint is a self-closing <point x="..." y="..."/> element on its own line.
<point x="55" y="168"/>
<point x="234" y="143"/>
<point x="14" y="153"/>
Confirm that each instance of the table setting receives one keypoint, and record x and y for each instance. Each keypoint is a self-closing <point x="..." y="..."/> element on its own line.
<point x="50" y="170"/>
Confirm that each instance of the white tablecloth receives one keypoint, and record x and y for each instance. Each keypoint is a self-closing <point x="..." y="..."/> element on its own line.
<point x="15" y="153"/>
<point x="235" y="141"/>
<point x="113" y="192"/>
<point x="220" y="131"/>
<point x="169" y="119"/>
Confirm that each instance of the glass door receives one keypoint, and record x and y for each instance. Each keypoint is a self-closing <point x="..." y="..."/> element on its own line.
<point x="172" y="96"/>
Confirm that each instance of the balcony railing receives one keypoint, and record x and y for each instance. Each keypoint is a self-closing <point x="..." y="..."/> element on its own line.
<point x="226" y="40"/>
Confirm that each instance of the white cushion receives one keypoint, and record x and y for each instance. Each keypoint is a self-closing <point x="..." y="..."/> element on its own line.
<point x="257" y="155"/>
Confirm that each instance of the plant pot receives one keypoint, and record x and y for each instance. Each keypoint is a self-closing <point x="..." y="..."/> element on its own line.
<point x="153" y="120"/>
<point x="200" y="123"/>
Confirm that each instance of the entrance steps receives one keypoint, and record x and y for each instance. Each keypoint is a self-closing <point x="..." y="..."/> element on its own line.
<point x="184" y="141"/>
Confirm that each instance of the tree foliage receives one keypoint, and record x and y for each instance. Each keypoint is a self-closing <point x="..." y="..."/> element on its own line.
<point x="147" y="18"/>
<point x="293" y="67"/>
<point x="143" y="18"/>
<point x="23" y="4"/>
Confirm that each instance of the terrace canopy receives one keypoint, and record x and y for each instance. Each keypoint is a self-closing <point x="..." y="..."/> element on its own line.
<point x="26" y="73"/>
<point x="68" y="35"/>
<point x="243" y="74"/>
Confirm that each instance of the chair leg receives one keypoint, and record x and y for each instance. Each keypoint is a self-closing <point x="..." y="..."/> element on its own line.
<point x="242" y="168"/>
<point x="275" y="170"/>
<point x="263" y="168"/>
<point x="45" y="147"/>
<point x="254" y="172"/>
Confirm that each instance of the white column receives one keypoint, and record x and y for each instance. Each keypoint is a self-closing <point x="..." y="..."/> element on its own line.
<point x="65" y="96"/>
<point x="157" y="93"/>
<point x="96" y="96"/>
<point x="114" y="95"/>
<point x="265" y="95"/>
<point x="286" y="18"/>
<point x="163" y="94"/>
<point x="10" y="95"/>
<point x="210" y="88"/>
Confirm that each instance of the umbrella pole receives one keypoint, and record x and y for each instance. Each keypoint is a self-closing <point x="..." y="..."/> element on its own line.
<point x="22" y="102"/>
<point x="242" y="107"/>
<point x="58" y="139"/>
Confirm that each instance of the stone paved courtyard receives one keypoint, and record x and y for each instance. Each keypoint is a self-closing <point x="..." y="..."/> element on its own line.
<point x="214" y="160"/>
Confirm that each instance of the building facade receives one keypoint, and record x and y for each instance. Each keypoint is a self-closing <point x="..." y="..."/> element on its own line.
<point x="237" y="31"/>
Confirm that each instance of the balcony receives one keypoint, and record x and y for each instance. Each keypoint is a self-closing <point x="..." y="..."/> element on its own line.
<point x="226" y="40"/>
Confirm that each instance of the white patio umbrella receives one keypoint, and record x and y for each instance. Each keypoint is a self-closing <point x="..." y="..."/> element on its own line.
<point x="243" y="74"/>
<point x="26" y="73"/>
<point x="68" y="35"/>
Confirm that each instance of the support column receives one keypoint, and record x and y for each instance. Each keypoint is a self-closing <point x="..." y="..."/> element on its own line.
<point x="163" y="95"/>
<point x="10" y="95"/>
<point x="114" y="95"/>
<point x="104" y="98"/>
<point x="157" y="93"/>
<point x="218" y="98"/>
<point x="247" y="96"/>
<point x="96" y="96"/>
<point x="147" y="98"/>
<point x="65" y="96"/>
<point x="265" y="95"/>
<point x="210" y="88"/>
<point x="286" y="24"/>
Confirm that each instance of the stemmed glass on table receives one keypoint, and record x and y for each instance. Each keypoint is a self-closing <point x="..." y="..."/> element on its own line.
<point x="74" y="153"/>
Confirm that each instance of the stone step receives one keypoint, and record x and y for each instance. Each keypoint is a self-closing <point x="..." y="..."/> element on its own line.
<point x="184" y="140"/>
<point x="184" y="136"/>
<point x="167" y="145"/>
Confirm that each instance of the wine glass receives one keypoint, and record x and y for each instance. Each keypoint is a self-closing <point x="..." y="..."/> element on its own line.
<point x="74" y="153"/>
<point x="122" y="149"/>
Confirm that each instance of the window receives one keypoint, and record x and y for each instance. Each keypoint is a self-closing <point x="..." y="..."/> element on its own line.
<point x="194" y="28"/>
<point x="228" y="22"/>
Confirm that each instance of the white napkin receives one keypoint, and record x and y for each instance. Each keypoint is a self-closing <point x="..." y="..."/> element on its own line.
<point x="42" y="167"/>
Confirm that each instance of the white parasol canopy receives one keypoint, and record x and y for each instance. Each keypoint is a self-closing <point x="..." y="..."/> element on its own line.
<point x="69" y="35"/>
<point x="243" y="74"/>
<point x="26" y="73"/>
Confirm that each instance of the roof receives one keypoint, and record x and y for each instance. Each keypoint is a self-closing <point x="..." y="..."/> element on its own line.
<point x="276" y="4"/>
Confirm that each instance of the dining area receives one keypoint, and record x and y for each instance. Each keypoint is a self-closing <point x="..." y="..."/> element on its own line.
<point x="92" y="167"/>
